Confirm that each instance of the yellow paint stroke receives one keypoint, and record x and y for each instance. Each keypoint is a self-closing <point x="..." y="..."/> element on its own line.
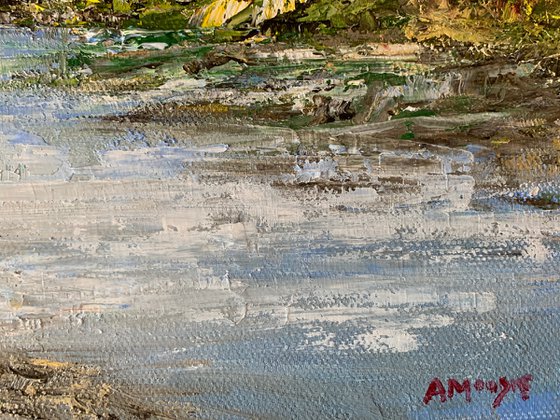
<point x="451" y="24"/>
<point x="500" y="140"/>
<point x="219" y="12"/>
<point x="210" y="108"/>
<point x="16" y="302"/>
<point x="271" y="9"/>
<point x="50" y="363"/>
<point x="121" y="6"/>
<point x="35" y="8"/>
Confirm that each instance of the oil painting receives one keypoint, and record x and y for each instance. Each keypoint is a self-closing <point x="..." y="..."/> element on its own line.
<point x="280" y="209"/>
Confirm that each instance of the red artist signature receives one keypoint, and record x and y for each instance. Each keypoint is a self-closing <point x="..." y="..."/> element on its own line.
<point x="505" y="386"/>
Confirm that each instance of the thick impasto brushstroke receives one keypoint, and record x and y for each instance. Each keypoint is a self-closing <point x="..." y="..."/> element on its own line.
<point x="302" y="209"/>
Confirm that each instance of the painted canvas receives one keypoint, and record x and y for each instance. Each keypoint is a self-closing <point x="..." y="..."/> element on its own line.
<point x="280" y="209"/>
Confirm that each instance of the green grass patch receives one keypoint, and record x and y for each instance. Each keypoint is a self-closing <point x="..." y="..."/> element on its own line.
<point x="166" y="20"/>
<point x="412" y="114"/>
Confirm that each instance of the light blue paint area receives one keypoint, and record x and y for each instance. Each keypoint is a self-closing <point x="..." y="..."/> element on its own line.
<point x="24" y="52"/>
<point x="319" y="256"/>
<point x="25" y="138"/>
<point x="129" y="139"/>
<point x="149" y="162"/>
<point x="270" y="372"/>
<point x="545" y="192"/>
<point x="78" y="108"/>
<point x="24" y="42"/>
<point x="543" y="405"/>
<point x="7" y="294"/>
<point x="540" y="405"/>
<point x="50" y="106"/>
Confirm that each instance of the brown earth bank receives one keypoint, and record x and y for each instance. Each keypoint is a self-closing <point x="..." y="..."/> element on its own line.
<point x="46" y="389"/>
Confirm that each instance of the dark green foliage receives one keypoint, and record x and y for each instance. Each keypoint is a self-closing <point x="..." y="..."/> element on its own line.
<point x="362" y="14"/>
<point x="411" y="114"/>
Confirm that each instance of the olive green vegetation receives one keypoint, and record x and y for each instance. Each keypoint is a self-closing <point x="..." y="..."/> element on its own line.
<point x="149" y="14"/>
<point x="521" y="23"/>
<point x="409" y="135"/>
<point x="365" y="14"/>
<point x="417" y="113"/>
